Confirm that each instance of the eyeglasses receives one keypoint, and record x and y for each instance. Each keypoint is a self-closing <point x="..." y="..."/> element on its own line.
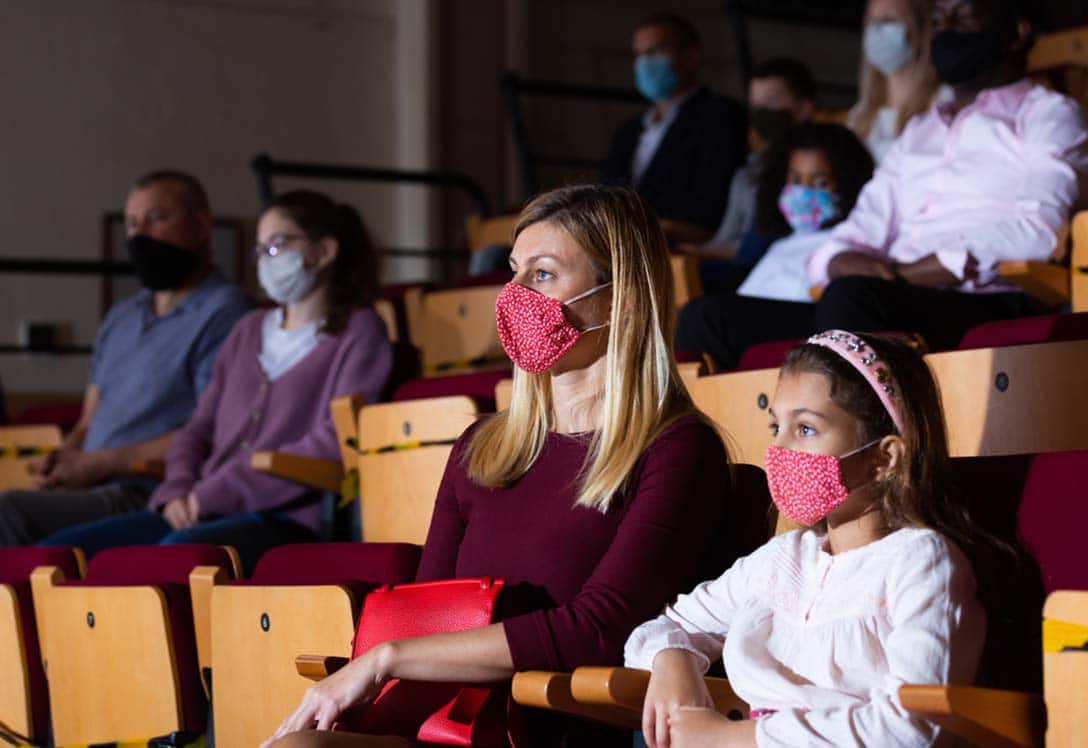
<point x="279" y="243"/>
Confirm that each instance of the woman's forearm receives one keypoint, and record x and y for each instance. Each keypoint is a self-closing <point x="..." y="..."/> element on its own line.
<point x="475" y="656"/>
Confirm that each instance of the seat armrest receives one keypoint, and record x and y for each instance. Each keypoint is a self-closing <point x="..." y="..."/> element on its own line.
<point x="317" y="667"/>
<point x="541" y="689"/>
<point x="625" y="688"/>
<point x="325" y="475"/>
<point x="147" y="468"/>
<point x="984" y="716"/>
<point x="1046" y="281"/>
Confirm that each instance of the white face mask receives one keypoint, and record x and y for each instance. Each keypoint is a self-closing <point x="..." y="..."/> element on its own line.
<point x="285" y="277"/>
<point x="886" y="47"/>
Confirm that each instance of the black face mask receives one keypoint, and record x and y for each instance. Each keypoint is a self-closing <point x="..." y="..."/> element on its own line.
<point x="771" y="124"/>
<point x="159" y="265"/>
<point x="963" y="56"/>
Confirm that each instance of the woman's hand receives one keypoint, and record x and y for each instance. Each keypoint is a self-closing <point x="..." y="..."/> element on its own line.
<point x="699" y="727"/>
<point x="675" y="681"/>
<point x="358" y="682"/>
<point x="182" y="513"/>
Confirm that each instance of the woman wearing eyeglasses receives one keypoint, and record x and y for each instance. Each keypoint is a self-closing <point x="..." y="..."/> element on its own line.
<point x="270" y="390"/>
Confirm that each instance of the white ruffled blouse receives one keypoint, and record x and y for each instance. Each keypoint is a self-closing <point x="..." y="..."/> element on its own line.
<point x="824" y="641"/>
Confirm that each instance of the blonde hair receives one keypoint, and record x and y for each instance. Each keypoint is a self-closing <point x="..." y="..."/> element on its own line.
<point x="642" y="394"/>
<point x="874" y="84"/>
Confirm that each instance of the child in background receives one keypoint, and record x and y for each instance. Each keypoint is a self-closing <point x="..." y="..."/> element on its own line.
<point x="819" y="627"/>
<point x="810" y="182"/>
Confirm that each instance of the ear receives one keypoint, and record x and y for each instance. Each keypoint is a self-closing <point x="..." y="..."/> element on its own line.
<point x="890" y="453"/>
<point x="327" y="250"/>
<point x="1023" y="34"/>
<point x="204" y="227"/>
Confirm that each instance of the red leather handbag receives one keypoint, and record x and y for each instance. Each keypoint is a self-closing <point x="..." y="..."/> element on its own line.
<point x="442" y="713"/>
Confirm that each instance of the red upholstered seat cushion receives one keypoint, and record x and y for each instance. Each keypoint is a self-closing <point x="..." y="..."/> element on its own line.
<point x="16" y="565"/>
<point x="166" y="567"/>
<point x="479" y="385"/>
<point x="1053" y="518"/>
<point x="64" y="414"/>
<point x="765" y="355"/>
<point x="336" y="563"/>
<point x="1047" y="328"/>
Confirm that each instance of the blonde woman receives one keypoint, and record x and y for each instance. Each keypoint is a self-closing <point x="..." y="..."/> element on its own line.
<point x="897" y="79"/>
<point x="597" y="496"/>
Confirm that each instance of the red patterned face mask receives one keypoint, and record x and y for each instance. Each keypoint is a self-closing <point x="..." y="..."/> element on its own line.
<point x="533" y="330"/>
<point x="806" y="487"/>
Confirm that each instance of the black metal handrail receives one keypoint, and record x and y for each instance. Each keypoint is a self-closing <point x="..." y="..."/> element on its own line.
<point x="266" y="167"/>
<point x="514" y="86"/>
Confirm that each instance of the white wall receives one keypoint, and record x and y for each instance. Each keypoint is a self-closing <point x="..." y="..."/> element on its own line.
<point x="97" y="91"/>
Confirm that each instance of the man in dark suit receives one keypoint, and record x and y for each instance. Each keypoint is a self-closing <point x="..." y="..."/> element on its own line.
<point x="681" y="154"/>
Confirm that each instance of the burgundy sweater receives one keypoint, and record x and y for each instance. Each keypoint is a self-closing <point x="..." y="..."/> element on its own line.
<point x="241" y="412"/>
<point x="578" y="581"/>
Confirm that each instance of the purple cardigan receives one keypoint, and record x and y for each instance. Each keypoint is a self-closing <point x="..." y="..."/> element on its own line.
<point x="241" y="412"/>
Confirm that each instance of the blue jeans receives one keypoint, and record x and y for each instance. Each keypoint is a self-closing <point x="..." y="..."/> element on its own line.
<point x="250" y="534"/>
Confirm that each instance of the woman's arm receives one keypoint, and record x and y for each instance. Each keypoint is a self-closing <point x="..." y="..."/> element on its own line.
<point x="476" y="656"/>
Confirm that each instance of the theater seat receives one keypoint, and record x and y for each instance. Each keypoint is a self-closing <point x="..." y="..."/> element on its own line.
<point x="119" y="648"/>
<point x="24" y="697"/>
<point x="479" y="385"/>
<point x="20" y="449"/>
<point x="1049" y="328"/>
<point x="1047" y="498"/>
<point x="301" y="598"/>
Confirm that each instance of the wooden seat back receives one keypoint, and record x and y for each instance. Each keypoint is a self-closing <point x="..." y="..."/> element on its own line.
<point x="20" y="448"/>
<point x="457" y="329"/>
<point x="483" y="232"/>
<point x="404" y="447"/>
<point x="1065" y="668"/>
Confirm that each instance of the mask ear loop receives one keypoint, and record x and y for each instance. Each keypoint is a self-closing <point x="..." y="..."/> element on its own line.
<point x="583" y="295"/>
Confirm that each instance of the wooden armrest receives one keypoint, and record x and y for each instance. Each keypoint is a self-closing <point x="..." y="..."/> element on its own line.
<point x="326" y="475"/>
<point x="546" y="690"/>
<point x="1047" y="282"/>
<point x="149" y="468"/>
<point x="202" y="580"/>
<point x="815" y="292"/>
<point x="317" y="667"/>
<point x="984" y="716"/>
<point x="625" y="688"/>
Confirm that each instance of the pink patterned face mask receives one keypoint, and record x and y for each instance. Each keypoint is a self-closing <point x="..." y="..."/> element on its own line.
<point x="533" y="329"/>
<point x="806" y="487"/>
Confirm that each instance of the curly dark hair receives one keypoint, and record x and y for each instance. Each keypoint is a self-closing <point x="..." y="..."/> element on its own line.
<point x="851" y="168"/>
<point x="352" y="277"/>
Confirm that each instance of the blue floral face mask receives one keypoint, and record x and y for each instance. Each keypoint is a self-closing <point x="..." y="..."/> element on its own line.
<point x="807" y="209"/>
<point x="655" y="76"/>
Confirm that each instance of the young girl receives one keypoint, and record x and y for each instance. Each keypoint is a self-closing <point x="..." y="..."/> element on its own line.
<point x="810" y="182"/>
<point x="819" y="627"/>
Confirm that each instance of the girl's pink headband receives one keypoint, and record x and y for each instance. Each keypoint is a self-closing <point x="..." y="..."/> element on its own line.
<point x="863" y="358"/>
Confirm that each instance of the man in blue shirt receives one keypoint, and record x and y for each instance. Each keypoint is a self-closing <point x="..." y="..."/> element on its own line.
<point x="152" y="356"/>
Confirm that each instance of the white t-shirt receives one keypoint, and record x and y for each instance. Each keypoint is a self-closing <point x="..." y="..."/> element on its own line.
<point x="824" y="641"/>
<point x="780" y="273"/>
<point x="281" y="349"/>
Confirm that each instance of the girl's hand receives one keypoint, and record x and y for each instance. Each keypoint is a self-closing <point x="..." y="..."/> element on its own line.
<point x="697" y="727"/>
<point x="356" y="683"/>
<point x="675" y="681"/>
